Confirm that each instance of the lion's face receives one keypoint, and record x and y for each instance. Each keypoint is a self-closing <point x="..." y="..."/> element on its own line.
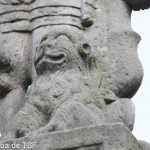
<point x="59" y="53"/>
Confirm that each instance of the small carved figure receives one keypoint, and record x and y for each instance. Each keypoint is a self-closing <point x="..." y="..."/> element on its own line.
<point x="66" y="93"/>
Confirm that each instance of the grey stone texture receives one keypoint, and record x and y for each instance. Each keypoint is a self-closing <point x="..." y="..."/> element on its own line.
<point x="138" y="4"/>
<point x="14" y="78"/>
<point x="103" y="137"/>
<point x="144" y="145"/>
<point x="61" y="97"/>
<point x="122" y="110"/>
<point x="68" y="71"/>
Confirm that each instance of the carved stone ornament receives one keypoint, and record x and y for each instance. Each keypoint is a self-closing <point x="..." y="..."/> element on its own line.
<point x="68" y="71"/>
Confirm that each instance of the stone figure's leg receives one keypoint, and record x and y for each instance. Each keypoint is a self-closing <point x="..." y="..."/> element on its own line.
<point x="73" y="114"/>
<point x="10" y="105"/>
<point x="28" y="119"/>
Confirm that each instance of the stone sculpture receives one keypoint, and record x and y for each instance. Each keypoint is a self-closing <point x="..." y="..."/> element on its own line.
<point x="71" y="67"/>
<point x="67" y="98"/>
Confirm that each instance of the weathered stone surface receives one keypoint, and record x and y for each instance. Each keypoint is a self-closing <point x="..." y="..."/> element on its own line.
<point x="144" y="145"/>
<point x="104" y="137"/>
<point x="105" y="35"/>
<point x="14" y="76"/>
<point x="122" y="110"/>
<point x="66" y="65"/>
<point x="6" y="9"/>
<point x="65" y="99"/>
<point x="138" y="4"/>
<point x="16" y="2"/>
<point x="114" y="40"/>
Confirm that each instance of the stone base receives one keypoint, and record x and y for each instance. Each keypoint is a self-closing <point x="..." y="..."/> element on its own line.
<point x="104" y="137"/>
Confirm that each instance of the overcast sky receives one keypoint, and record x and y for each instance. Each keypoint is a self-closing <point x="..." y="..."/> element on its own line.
<point x="141" y="24"/>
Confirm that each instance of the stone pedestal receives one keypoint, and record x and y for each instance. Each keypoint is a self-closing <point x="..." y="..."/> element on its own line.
<point x="104" y="137"/>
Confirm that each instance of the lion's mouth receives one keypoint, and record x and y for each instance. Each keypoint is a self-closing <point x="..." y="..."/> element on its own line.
<point x="52" y="59"/>
<point x="57" y="58"/>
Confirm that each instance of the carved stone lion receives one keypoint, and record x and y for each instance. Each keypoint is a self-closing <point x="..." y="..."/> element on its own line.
<point x="70" y="93"/>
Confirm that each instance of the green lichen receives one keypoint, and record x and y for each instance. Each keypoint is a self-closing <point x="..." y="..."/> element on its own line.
<point x="96" y="75"/>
